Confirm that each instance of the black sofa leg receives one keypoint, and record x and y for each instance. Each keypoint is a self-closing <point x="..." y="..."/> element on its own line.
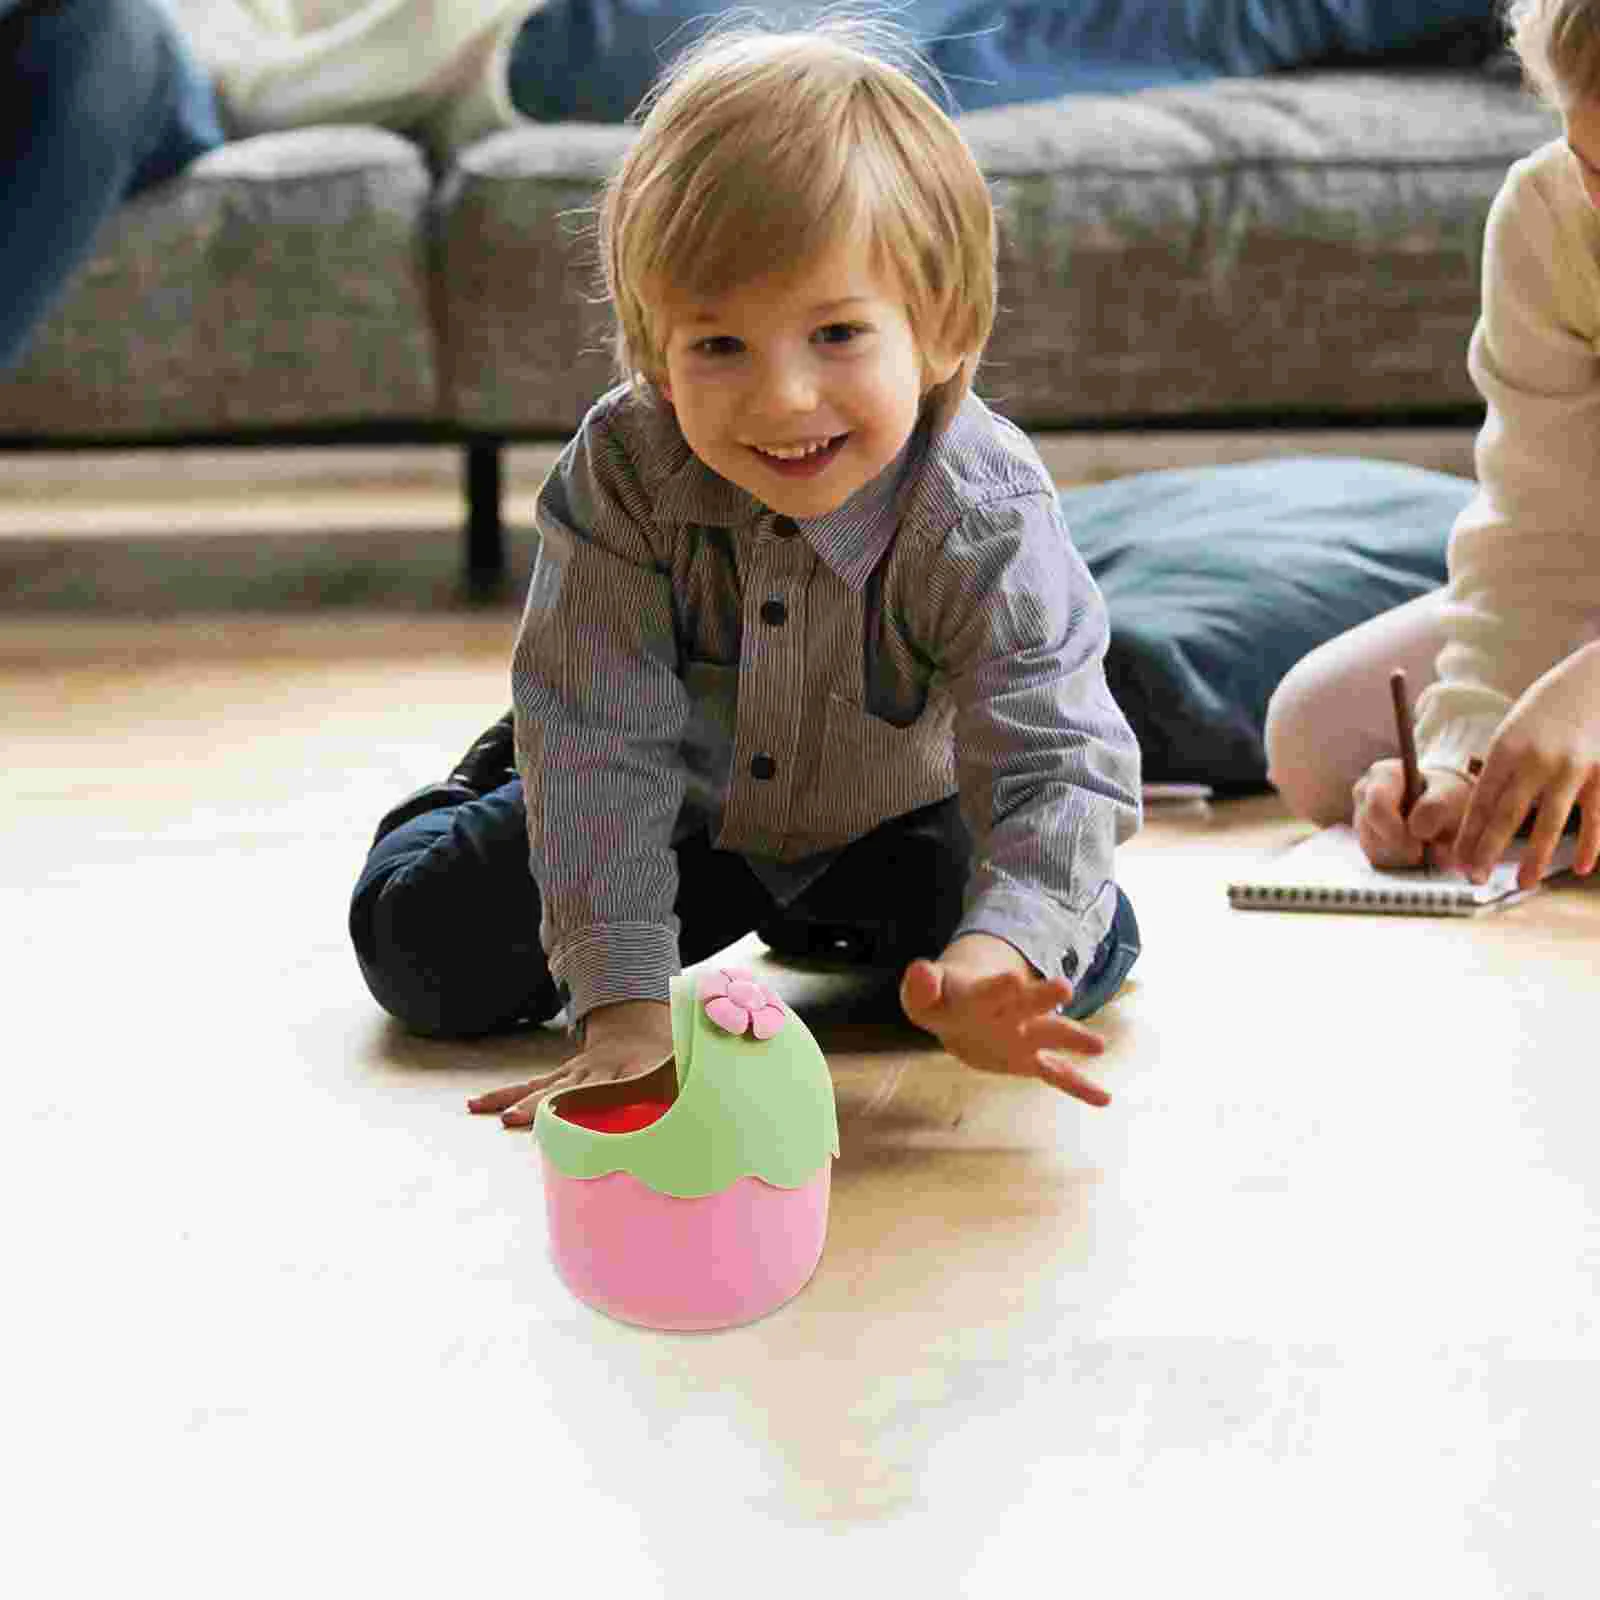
<point x="486" y="545"/>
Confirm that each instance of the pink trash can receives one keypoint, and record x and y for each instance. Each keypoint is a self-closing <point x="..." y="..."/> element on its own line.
<point x="696" y="1196"/>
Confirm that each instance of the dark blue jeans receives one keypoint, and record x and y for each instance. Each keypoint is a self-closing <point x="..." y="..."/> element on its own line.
<point x="445" y="914"/>
<point x="593" y="60"/>
<point x="98" y="99"/>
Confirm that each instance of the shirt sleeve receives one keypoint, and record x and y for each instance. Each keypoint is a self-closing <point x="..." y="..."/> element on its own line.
<point x="1046" y="763"/>
<point x="1524" y="584"/>
<point x="599" y="713"/>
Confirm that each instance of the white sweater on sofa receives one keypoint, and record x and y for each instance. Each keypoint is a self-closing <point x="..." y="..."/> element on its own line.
<point x="436" y="68"/>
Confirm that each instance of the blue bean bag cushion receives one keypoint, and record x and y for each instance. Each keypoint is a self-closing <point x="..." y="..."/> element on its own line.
<point x="593" y="60"/>
<point x="1218" y="579"/>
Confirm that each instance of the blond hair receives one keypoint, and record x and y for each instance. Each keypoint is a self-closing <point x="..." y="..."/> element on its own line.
<point x="760" y="148"/>
<point x="1558" y="44"/>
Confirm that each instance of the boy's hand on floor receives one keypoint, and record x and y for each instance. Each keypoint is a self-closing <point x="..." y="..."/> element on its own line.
<point x="1390" y="840"/>
<point x="624" y="1040"/>
<point x="990" y="1010"/>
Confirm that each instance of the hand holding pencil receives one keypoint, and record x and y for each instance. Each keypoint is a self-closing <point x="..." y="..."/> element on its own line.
<point x="1404" y="817"/>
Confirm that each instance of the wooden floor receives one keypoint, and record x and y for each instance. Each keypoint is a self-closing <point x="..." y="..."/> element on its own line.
<point x="1309" y="1310"/>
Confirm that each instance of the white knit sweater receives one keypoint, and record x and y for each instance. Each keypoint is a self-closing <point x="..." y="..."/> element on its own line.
<point x="435" y="68"/>
<point x="1524" y="562"/>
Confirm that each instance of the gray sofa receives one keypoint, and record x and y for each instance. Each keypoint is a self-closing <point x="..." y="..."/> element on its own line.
<point x="1300" y="248"/>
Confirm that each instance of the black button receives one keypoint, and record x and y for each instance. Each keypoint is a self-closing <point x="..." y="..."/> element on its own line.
<point x="774" y="613"/>
<point x="763" y="767"/>
<point x="785" y="527"/>
<point x="1069" y="964"/>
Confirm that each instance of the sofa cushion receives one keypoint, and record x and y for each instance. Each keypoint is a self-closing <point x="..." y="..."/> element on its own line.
<point x="1296" y="246"/>
<point x="1218" y="579"/>
<point x="281" y="281"/>
<point x="524" y="331"/>
<point x="1303" y="245"/>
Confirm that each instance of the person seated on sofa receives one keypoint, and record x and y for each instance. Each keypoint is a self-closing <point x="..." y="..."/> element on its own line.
<point x="807" y="644"/>
<point x="107" y="97"/>
<point x="99" y="99"/>
<point x="593" y="60"/>
<point x="1508" y="727"/>
<point x="450" y="74"/>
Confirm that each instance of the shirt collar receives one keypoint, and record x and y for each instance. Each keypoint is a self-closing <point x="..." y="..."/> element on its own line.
<point x="850" y="540"/>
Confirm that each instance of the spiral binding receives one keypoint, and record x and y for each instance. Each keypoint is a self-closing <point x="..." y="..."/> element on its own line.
<point x="1292" y="897"/>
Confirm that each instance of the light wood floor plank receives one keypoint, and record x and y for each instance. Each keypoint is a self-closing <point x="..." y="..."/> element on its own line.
<point x="1309" y="1310"/>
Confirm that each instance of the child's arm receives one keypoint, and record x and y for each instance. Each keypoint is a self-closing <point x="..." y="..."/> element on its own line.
<point x="988" y="1007"/>
<point x="1047" y="765"/>
<point x="1048" y="771"/>
<point x="1524" y="586"/>
<point x="600" y="712"/>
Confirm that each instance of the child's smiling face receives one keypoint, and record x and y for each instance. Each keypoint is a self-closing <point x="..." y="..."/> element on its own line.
<point x="1583" y="140"/>
<point x="803" y="386"/>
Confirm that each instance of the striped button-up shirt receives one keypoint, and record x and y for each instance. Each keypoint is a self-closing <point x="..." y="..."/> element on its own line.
<point x="689" y="660"/>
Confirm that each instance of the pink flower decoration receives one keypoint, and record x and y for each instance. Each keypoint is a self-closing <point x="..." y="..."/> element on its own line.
<point x="736" y="1002"/>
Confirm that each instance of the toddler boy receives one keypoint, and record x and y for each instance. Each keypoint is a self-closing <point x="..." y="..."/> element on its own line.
<point x="807" y="648"/>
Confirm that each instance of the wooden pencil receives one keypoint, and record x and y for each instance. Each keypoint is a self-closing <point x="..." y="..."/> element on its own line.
<point x="1408" y="741"/>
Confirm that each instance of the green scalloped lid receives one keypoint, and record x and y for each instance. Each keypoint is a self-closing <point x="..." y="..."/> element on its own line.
<point x="746" y="1107"/>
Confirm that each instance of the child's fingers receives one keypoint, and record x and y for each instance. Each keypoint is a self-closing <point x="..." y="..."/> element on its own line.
<point x="1060" y="1075"/>
<point x="1002" y="996"/>
<point x="1588" y="856"/>
<point x="921" y="988"/>
<point x="1433" y="814"/>
<point x="1052" y="993"/>
<point x="1015" y="1000"/>
<point x="499" y="1099"/>
<point x="1380" y="829"/>
<point x="521" y="1115"/>
<point x="1056" y="1032"/>
<point x="1492" y="821"/>
<point x="1554" y="809"/>
<point x="1441" y="853"/>
<point x="1006" y="999"/>
<point x="1381" y="786"/>
<point x="1385" y="839"/>
<point x="1388" y="846"/>
<point x="1436" y="817"/>
<point x="524" y="1098"/>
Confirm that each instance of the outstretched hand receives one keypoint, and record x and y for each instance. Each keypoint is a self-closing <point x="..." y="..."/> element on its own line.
<point x="993" y="1013"/>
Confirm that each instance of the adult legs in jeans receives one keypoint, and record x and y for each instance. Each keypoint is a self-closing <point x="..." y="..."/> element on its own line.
<point x="98" y="99"/>
<point x="445" y="914"/>
<point x="1331" y="717"/>
<point x="593" y="60"/>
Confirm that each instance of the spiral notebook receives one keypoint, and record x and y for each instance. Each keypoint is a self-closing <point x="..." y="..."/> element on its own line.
<point x="1329" y="872"/>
